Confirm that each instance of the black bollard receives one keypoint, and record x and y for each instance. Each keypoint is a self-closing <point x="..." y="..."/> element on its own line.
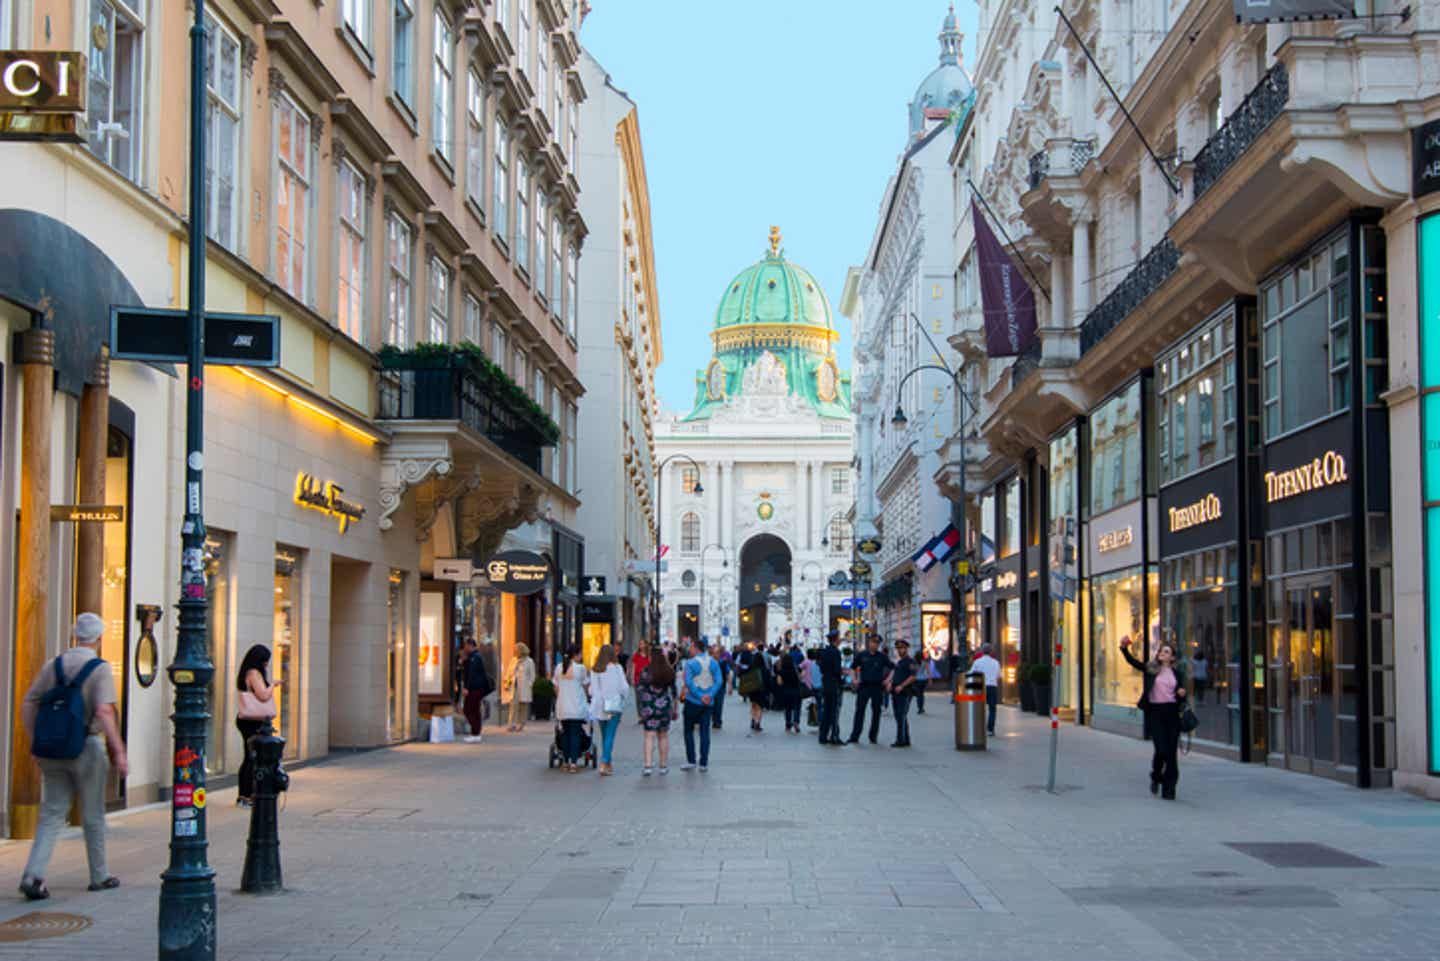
<point x="262" y="848"/>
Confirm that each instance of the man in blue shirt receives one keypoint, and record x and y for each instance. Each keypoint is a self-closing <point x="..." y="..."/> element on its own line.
<point x="702" y="680"/>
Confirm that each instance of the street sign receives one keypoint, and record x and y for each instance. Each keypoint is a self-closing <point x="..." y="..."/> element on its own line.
<point x="163" y="335"/>
<point x="458" y="569"/>
<point x="859" y="603"/>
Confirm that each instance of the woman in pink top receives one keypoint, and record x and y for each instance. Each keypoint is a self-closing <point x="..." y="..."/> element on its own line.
<point x="1160" y="701"/>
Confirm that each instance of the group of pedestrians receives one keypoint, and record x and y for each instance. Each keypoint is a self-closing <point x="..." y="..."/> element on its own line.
<point x="875" y="678"/>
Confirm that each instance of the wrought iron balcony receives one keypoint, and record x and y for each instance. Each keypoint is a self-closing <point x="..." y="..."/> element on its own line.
<point x="1027" y="361"/>
<point x="1039" y="168"/>
<point x="1066" y="157"/>
<point x="1242" y="128"/>
<point x="1144" y="278"/>
<point x="459" y="384"/>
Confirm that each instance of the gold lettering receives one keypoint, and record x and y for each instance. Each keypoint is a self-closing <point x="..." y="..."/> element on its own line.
<point x="1116" y="539"/>
<point x="1203" y="511"/>
<point x="1324" y="471"/>
<point x="326" y="498"/>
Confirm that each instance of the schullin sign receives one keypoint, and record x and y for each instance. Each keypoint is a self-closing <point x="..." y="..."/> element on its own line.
<point x="1260" y="11"/>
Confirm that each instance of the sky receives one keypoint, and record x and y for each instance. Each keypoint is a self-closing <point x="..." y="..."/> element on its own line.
<point x="760" y="112"/>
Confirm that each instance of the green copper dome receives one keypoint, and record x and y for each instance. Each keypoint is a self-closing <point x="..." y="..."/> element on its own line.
<point x="774" y="338"/>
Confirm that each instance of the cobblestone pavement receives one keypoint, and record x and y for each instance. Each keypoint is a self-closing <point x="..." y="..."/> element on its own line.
<point x="787" y="850"/>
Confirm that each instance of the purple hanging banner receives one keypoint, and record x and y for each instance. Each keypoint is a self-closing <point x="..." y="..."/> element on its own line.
<point x="1007" y="301"/>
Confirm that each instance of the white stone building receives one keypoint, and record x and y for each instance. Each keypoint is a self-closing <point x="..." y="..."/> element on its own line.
<point x="755" y="480"/>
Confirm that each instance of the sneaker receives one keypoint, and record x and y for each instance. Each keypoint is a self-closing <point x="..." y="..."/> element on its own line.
<point x="706" y="770"/>
<point x="474" y="738"/>
<point x="687" y="766"/>
<point x="644" y="772"/>
<point x="664" y="771"/>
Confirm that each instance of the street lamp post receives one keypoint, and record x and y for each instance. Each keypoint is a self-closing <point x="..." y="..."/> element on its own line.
<point x="660" y="520"/>
<point x="724" y="562"/>
<point x="187" y="921"/>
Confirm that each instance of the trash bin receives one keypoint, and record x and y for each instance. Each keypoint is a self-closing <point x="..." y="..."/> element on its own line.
<point x="970" y="712"/>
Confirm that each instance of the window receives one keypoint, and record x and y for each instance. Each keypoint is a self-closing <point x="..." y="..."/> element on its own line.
<point x="475" y="140"/>
<point x="690" y="533"/>
<point x="542" y="228"/>
<point x="572" y="419"/>
<point x="557" y="270"/>
<point x="441" y="129"/>
<point x="502" y="180"/>
<point x="472" y="333"/>
<point x="574" y="137"/>
<point x="1010" y="517"/>
<point x="522" y="37"/>
<point x="403" y="37"/>
<point x="540" y="386"/>
<point x="1306" y="329"/>
<point x="292" y="195"/>
<point x="689" y="480"/>
<point x="687" y="580"/>
<point x="1115" y="451"/>
<point x="439" y="332"/>
<point x="572" y="282"/>
<point x="502" y="13"/>
<point x="397" y="287"/>
<point x="839" y="480"/>
<point x="222" y="132"/>
<point x="1214" y="116"/>
<point x="838" y="534"/>
<point x="117" y="85"/>
<point x="559" y="118"/>
<point x="356" y="14"/>
<point x="350" y="305"/>
<point x="1192" y="429"/>
<point x="542" y="75"/>
<point x="499" y="345"/>
<point x="520" y="373"/>
<point x="522" y="212"/>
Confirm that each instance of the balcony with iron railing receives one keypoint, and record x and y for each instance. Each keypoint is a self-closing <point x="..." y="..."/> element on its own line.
<point x="434" y="382"/>
<point x="1242" y="128"/>
<point x="1060" y="157"/>
<point x="1143" y="279"/>
<point x="1026" y="362"/>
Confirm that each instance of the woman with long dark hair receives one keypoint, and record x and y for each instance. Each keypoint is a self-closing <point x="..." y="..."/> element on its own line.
<point x="572" y="705"/>
<point x="1162" y="701"/>
<point x="655" y="693"/>
<point x="255" y="710"/>
<point x="788" y="691"/>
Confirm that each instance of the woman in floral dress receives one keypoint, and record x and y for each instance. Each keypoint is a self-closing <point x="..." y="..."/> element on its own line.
<point x="655" y="696"/>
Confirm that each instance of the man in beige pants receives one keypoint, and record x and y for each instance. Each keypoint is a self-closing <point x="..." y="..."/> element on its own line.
<point x="84" y="776"/>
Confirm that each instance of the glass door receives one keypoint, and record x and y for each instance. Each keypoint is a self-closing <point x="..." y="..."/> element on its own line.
<point x="395" y="660"/>
<point x="1302" y="678"/>
<point x="285" y="649"/>
<point x="115" y="592"/>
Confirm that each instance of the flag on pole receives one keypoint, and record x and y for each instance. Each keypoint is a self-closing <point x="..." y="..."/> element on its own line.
<point x="946" y="542"/>
<point x="1006" y="300"/>
<point x="924" y="559"/>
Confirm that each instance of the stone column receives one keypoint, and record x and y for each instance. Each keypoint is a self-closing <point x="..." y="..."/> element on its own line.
<point x="1057" y="291"/>
<point x="817" y="518"/>
<point x="803" y="505"/>
<point x="712" y="492"/>
<point x="90" y="538"/>
<point x="36" y="356"/>
<point x="1080" y="287"/>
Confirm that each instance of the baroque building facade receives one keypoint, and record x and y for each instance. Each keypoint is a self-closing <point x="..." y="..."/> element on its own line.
<point x="755" y="483"/>
<point x="1215" y="439"/>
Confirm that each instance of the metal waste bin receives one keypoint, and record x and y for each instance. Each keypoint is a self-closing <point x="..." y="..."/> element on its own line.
<point x="970" y="712"/>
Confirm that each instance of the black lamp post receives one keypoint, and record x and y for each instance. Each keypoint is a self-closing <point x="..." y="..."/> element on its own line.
<point x="187" y="919"/>
<point x="660" y="520"/>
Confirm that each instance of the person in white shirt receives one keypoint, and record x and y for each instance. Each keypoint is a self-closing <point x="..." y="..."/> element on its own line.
<point x="608" y="694"/>
<point x="572" y="705"/>
<point x="987" y="665"/>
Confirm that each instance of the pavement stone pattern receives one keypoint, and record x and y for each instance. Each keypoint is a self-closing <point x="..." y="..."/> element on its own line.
<point x="786" y="851"/>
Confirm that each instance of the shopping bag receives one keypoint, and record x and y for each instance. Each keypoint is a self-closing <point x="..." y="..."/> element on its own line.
<point x="442" y="730"/>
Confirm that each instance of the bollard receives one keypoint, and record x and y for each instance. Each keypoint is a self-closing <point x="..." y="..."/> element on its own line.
<point x="970" y="712"/>
<point x="262" y="848"/>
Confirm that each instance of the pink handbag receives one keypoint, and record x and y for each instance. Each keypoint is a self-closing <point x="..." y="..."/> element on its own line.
<point x="254" y="709"/>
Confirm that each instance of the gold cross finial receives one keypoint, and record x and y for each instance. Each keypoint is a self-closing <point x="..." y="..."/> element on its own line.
<point x="774" y="241"/>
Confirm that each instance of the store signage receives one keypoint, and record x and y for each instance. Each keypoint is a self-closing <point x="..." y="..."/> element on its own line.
<point x="454" y="569"/>
<point x="860" y="569"/>
<point x="87" y="513"/>
<point x="162" y="335"/>
<point x="595" y="584"/>
<point x="1326" y="470"/>
<point x="868" y="545"/>
<point x="859" y="603"/>
<point x="1203" y="511"/>
<point x="324" y="496"/>
<point x="518" y="572"/>
<point x="1007" y="580"/>
<point x="1260" y="11"/>
<point x="1116" y="539"/>
<point x="1426" y="154"/>
<point x="42" y="95"/>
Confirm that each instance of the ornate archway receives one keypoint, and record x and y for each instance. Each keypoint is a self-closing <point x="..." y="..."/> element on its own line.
<point x="764" y="587"/>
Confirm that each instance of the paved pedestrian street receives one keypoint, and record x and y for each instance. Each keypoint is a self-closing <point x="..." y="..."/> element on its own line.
<point x="788" y="850"/>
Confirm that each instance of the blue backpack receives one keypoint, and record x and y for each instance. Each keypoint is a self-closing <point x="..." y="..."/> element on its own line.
<point x="60" y="728"/>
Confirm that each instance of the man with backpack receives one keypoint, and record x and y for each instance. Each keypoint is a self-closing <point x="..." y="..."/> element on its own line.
<point x="476" y="684"/>
<point x="69" y="713"/>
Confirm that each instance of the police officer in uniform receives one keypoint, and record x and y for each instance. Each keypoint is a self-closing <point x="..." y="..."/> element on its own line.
<point x="831" y="673"/>
<point x="870" y="669"/>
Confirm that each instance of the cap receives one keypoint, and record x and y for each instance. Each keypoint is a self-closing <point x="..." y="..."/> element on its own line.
<point x="902" y="643"/>
<point x="832" y="633"/>
<point x="89" y="627"/>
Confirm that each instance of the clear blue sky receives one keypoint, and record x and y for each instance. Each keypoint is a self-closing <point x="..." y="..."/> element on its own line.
<point x="760" y="112"/>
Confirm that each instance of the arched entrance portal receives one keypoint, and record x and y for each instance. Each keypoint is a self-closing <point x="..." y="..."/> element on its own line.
<point x="764" y="588"/>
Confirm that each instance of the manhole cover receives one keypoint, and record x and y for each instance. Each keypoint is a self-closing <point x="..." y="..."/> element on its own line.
<point x="42" y="924"/>
<point x="1300" y="854"/>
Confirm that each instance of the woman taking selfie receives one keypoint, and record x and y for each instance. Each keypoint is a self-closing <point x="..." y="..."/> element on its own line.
<point x="1161" y="701"/>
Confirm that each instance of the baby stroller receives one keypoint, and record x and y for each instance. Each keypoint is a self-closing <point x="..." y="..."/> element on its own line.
<point x="589" y="757"/>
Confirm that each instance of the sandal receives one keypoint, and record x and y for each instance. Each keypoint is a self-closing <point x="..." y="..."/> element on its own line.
<point x="34" y="889"/>
<point x="106" y="885"/>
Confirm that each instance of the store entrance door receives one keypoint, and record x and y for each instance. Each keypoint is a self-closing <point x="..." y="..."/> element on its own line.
<point x="1302" y="679"/>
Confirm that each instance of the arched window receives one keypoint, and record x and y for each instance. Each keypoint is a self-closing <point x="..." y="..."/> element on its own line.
<point x="690" y="533"/>
<point x="839" y="535"/>
<point x="687" y="579"/>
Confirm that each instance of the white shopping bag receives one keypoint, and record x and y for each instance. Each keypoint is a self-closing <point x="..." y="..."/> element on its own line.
<point x="442" y="729"/>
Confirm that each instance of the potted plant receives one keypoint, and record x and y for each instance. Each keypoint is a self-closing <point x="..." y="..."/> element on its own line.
<point x="1027" y="687"/>
<point x="1040" y="677"/>
<point x="542" y="698"/>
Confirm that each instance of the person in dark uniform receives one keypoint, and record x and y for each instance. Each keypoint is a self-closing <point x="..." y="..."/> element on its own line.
<point x="869" y="670"/>
<point x="831" y="673"/>
<point x="901" y="683"/>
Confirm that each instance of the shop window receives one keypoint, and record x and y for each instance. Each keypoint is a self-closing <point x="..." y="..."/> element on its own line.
<point x="432" y="654"/>
<point x="690" y="533"/>
<point x="350" y="307"/>
<point x="1200" y="606"/>
<point x="222" y="132"/>
<point x="399" y="242"/>
<point x="1115" y="451"/>
<point x="223" y="693"/>
<point x="285" y="645"/>
<point x="116" y="68"/>
<point x="115" y="587"/>
<point x="395" y="625"/>
<point x="1118" y="605"/>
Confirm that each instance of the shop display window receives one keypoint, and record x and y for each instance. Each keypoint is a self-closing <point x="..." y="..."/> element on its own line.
<point x="987" y="527"/>
<point x="1010" y="517"/>
<point x="1200" y="609"/>
<point x="223" y="694"/>
<point x="395" y="625"/>
<point x="285" y="645"/>
<point x="1118" y="605"/>
<point x="433" y="651"/>
<point x="115" y="587"/>
<point x="1115" y="451"/>
<point x="1063" y="553"/>
<point x="1195" y="387"/>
